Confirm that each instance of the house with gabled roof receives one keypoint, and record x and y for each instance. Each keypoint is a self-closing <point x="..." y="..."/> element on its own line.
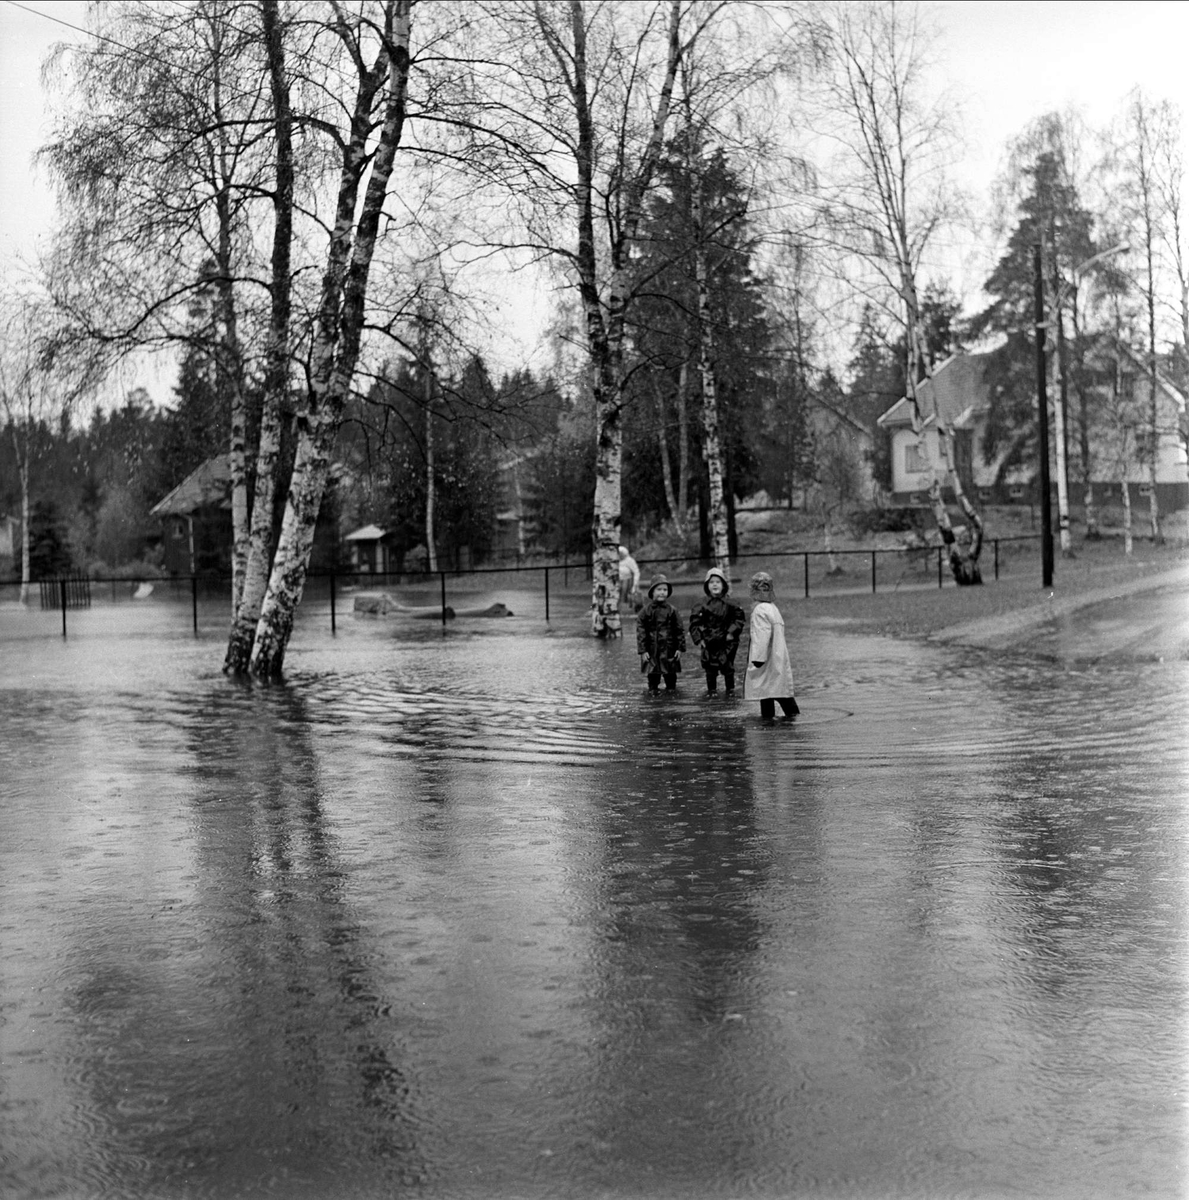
<point x="196" y="521"/>
<point x="958" y="392"/>
<point x="1118" y="450"/>
<point x="196" y="524"/>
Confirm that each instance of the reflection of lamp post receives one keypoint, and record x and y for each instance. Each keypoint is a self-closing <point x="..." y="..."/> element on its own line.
<point x="1046" y="513"/>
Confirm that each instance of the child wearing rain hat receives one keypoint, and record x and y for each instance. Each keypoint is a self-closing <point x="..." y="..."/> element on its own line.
<point x="769" y="676"/>
<point x="715" y="624"/>
<point x="660" y="637"/>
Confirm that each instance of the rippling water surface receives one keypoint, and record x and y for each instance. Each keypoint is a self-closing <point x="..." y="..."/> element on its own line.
<point x="471" y="916"/>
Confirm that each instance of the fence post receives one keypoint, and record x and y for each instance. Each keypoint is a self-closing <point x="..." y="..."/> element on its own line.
<point x="806" y="574"/>
<point x="194" y="600"/>
<point x="546" y="595"/>
<point x="62" y="595"/>
<point x="939" y="566"/>
<point x="443" y="576"/>
<point x="332" y="625"/>
<point x="996" y="560"/>
<point x="873" y="572"/>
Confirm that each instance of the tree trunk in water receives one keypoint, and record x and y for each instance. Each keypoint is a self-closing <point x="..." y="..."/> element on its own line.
<point x="339" y="328"/>
<point x="246" y="614"/>
<point x="711" y="447"/>
<point x="605" y="330"/>
<point x="260" y="542"/>
<point x="287" y="580"/>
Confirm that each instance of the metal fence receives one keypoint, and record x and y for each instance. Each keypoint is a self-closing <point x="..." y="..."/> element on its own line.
<point x="819" y="572"/>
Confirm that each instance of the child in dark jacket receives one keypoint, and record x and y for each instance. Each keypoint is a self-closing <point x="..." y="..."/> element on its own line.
<point x="660" y="637"/>
<point x="716" y="624"/>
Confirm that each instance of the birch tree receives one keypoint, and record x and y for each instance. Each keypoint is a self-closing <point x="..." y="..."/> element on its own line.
<point x="1146" y="214"/>
<point x="589" y="96"/>
<point x="156" y="156"/>
<point x="894" y="199"/>
<point x="250" y="580"/>
<point x="376" y="53"/>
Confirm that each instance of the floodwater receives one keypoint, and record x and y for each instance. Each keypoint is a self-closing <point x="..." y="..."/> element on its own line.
<point x="469" y="915"/>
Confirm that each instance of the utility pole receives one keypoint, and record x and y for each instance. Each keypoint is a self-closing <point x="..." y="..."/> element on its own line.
<point x="1042" y="402"/>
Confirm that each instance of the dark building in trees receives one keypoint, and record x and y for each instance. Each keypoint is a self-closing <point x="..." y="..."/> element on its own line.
<point x="196" y="524"/>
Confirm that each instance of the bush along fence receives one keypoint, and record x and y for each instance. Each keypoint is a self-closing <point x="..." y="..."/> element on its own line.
<point x="75" y="591"/>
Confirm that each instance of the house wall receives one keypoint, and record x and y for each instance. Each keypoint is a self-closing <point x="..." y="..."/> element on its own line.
<point x="1172" y="473"/>
<point x="175" y="541"/>
<point x="906" y="481"/>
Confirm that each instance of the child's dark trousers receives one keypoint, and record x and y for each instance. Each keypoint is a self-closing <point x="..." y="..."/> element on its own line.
<point x="728" y="679"/>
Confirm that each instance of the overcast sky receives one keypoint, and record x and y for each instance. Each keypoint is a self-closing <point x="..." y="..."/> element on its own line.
<point x="1007" y="62"/>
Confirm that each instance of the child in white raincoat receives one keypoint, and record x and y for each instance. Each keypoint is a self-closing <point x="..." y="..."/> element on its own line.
<point x="769" y="676"/>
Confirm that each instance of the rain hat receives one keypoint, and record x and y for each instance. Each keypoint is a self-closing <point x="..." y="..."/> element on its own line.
<point x="760" y="586"/>
<point x="716" y="573"/>
<point x="656" y="582"/>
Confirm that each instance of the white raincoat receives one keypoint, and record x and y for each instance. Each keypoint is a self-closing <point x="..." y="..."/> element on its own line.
<point x="774" y="680"/>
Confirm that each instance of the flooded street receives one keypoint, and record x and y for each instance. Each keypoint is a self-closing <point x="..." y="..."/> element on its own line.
<point x="469" y="915"/>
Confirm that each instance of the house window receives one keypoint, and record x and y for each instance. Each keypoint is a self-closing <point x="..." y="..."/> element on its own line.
<point x="984" y="495"/>
<point x="1016" y="491"/>
<point x="179" y="527"/>
<point x="1145" y="489"/>
<point x="1144" y="443"/>
<point x="914" y="460"/>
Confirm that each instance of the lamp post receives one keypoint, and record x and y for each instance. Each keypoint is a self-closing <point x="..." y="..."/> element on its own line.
<point x="1046" y="512"/>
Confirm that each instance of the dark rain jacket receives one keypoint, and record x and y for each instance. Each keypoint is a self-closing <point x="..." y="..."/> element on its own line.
<point x="716" y="625"/>
<point x="660" y="635"/>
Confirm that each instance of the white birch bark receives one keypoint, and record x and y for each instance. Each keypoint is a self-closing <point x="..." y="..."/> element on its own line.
<point x="1059" y="466"/>
<point x="711" y="443"/>
<point x="229" y="359"/>
<point x="881" y="76"/>
<point x="258" y="563"/>
<point x="338" y="330"/>
<point x="605" y="320"/>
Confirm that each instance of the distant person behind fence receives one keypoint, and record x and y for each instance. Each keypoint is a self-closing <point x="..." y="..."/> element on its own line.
<point x="660" y="637"/>
<point x="769" y="676"/>
<point x="629" y="580"/>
